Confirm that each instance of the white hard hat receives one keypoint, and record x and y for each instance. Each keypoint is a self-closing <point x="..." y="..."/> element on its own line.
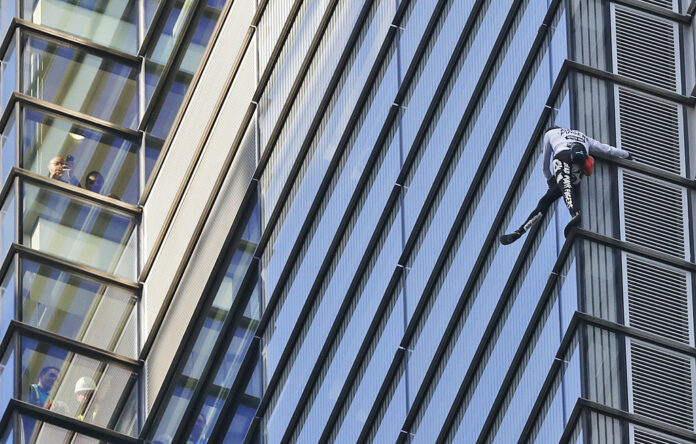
<point x="85" y="384"/>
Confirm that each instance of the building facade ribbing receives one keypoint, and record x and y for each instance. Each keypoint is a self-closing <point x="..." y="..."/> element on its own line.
<point x="296" y="241"/>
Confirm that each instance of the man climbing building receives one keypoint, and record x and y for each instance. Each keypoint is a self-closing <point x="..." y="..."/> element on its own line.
<point x="571" y="151"/>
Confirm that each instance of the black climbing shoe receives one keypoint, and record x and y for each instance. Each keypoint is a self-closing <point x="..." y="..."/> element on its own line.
<point x="574" y="222"/>
<point x="507" y="239"/>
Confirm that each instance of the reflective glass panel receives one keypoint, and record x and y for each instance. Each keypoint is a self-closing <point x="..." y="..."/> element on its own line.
<point x="78" y="308"/>
<point x="8" y="74"/>
<point x="84" y="233"/>
<point x="113" y="23"/>
<point x="7" y="379"/>
<point x="94" y="160"/>
<point x="8" y="298"/>
<point x="85" y="82"/>
<point x="9" y="147"/>
<point x="8" y="10"/>
<point x="72" y="384"/>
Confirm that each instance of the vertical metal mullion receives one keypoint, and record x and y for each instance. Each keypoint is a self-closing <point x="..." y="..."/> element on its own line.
<point x="18" y="287"/>
<point x="19" y="58"/>
<point x="18" y="365"/>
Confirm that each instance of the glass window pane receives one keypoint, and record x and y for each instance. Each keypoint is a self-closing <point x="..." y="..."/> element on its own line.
<point x="8" y="74"/>
<point x="80" y="232"/>
<point x="72" y="384"/>
<point x="7" y="230"/>
<point x="78" y="308"/>
<point x="92" y="159"/>
<point x="7" y="378"/>
<point x="8" y="10"/>
<point x="7" y="303"/>
<point x="176" y="17"/>
<point x="80" y="81"/>
<point x="113" y="23"/>
<point x="9" y="147"/>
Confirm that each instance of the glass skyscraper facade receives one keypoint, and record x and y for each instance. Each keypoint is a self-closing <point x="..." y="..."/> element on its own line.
<point x="277" y="221"/>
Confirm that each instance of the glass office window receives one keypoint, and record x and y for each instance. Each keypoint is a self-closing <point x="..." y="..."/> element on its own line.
<point x="8" y="73"/>
<point x="8" y="10"/>
<point x="7" y="366"/>
<point x="35" y="431"/>
<point x="79" y="80"/>
<point x="7" y="224"/>
<point x="113" y="23"/>
<point x="93" y="159"/>
<point x="72" y="384"/>
<point x="71" y="229"/>
<point x="8" y="144"/>
<point x="8" y="300"/>
<point x="71" y="305"/>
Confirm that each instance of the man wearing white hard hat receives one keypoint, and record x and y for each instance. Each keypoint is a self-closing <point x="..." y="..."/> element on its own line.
<point x="84" y="390"/>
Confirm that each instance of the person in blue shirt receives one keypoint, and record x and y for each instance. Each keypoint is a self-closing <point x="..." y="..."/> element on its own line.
<point x="40" y="391"/>
<point x="40" y="395"/>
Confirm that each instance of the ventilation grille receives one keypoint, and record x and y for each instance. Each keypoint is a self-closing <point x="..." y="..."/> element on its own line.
<point x="660" y="3"/>
<point x="645" y="48"/>
<point x="653" y="214"/>
<point x="644" y="118"/>
<point x="658" y="299"/>
<point x="662" y="386"/>
<point x="643" y="436"/>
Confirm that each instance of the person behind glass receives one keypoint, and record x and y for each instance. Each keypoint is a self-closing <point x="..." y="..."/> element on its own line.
<point x="94" y="181"/>
<point x="84" y="391"/>
<point x="70" y="171"/>
<point x="40" y="395"/>
<point x="570" y="150"/>
<point x="196" y="436"/>
<point x="62" y="170"/>
<point x="40" y="391"/>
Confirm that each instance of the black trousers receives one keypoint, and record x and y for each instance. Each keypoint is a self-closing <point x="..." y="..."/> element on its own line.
<point x="565" y="183"/>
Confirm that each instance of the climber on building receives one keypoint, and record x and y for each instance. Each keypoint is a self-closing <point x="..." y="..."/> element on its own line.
<point x="571" y="151"/>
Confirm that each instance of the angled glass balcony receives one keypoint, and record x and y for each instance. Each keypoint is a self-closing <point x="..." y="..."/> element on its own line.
<point x="96" y="158"/>
<point x="113" y="24"/>
<point x="64" y="300"/>
<point x="74" y="76"/>
<point x="48" y="216"/>
<point x="68" y="379"/>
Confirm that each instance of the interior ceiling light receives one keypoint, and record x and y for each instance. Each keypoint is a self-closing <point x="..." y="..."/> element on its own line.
<point x="76" y="136"/>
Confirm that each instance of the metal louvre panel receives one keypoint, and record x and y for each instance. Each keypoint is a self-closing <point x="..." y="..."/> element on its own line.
<point x="645" y="48"/>
<point x="645" y="436"/>
<point x="662" y="386"/>
<point x="668" y="4"/>
<point x="653" y="214"/>
<point x="658" y="299"/>
<point x="642" y="118"/>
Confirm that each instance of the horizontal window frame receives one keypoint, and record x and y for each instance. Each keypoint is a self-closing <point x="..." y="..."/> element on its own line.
<point x="17" y="406"/>
<point x="20" y="329"/>
<point x="98" y="124"/>
<point x="77" y="193"/>
<point x="69" y="40"/>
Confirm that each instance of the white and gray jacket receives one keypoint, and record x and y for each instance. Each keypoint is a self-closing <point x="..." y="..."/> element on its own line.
<point x="560" y="139"/>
